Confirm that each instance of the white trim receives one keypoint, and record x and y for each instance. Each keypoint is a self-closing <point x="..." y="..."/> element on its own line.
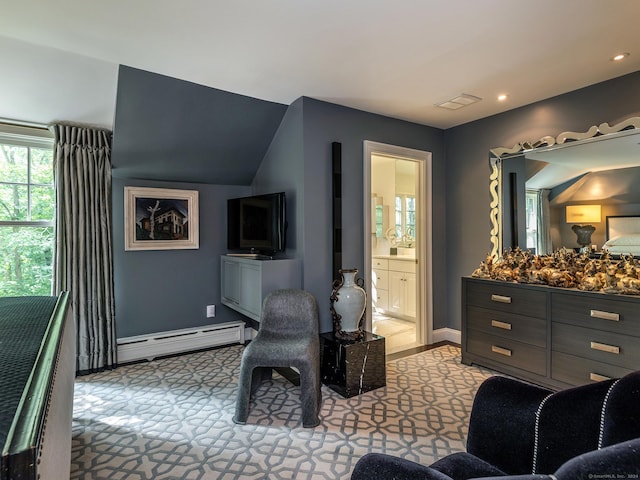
<point x="603" y="413"/>
<point x="536" y="436"/>
<point x="148" y="347"/>
<point x="424" y="247"/>
<point x="446" y="335"/>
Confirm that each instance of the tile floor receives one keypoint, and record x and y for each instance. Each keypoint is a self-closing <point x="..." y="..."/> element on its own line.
<point x="399" y="334"/>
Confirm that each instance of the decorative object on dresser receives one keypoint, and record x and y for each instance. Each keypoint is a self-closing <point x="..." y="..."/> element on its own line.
<point x="348" y="302"/>
<point x="567" y="269"/>
<point x="550" y="336"/>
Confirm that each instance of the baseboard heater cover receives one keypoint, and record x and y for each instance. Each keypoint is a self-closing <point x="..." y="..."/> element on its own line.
<point x="148" y="347"/>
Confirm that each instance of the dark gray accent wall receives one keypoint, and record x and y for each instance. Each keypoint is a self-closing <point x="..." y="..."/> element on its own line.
<point x="172" y="130"/>
<point x="160" y="290"/>
<point x="170" y="133"/>
<point x="467" y="170"/>
<point x="282" y="170"/>
<point x="324" y="123"/>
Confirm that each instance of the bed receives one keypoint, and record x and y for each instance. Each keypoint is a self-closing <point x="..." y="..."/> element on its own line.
<point x="623" y="235"/>
<point x="37" y="370"/>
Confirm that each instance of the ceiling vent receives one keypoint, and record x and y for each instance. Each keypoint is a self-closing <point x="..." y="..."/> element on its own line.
<point x="458" y="102"/>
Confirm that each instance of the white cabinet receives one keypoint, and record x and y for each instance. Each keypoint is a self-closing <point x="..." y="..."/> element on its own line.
<point x="380" y="286"/>
<point x="245" y="282"/>
<point x="394" y="286"/>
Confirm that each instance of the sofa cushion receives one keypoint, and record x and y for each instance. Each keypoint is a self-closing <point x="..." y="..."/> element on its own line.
<point x="381" y="466"/>
<point x="462" y="466"/>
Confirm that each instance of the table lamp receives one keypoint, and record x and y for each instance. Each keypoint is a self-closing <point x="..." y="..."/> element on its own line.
<point x="582" y="216"/>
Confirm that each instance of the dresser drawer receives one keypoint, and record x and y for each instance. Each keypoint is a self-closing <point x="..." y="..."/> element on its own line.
<point x="507" y="351"/>
<point x="579" y="371"/>
<point x="381" y="279"/>
<point x="508" y="325"/>
<point x="407" y="266"/>
<point x="597" y="345"/>
<point x="618" y="316"/>
<point x="380" y="263"/>
<point x="513" y="299"/>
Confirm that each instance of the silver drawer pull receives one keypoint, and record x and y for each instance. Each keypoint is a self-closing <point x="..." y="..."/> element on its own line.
<point x="615" y="317"/>
<point x="500" y="298"/>
<point x="502" y="325"/>
<point x="595" y="377"/>
<point x="502" y="351"/>
<point x="603" y="347"/>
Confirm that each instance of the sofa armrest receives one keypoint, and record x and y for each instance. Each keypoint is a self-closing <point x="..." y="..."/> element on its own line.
<point x="381" y="466"/>
<point x="502" y="423"/>
<point x="616" y="461"/>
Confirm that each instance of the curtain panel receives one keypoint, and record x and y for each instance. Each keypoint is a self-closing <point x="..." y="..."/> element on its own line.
<point x="83" y="262"/>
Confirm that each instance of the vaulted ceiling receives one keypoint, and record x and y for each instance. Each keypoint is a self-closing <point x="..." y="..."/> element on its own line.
<point x="397" y="58"/>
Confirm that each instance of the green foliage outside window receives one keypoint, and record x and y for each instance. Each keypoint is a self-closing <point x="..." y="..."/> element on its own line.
<point x="27" y="210"/>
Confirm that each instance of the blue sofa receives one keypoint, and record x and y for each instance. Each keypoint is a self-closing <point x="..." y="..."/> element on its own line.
<point x="522" y="431"/>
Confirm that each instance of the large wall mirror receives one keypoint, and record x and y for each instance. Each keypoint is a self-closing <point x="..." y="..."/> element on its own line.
<point x="576" y="190"/>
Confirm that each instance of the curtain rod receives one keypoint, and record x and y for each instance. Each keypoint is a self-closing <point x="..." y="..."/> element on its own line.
<point x="20" y="123"/>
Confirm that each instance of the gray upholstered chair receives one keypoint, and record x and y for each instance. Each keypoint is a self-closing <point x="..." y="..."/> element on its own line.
<point x="287" y="337"/>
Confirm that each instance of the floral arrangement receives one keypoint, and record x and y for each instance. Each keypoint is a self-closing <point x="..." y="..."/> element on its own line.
<point x="565" y="268"/>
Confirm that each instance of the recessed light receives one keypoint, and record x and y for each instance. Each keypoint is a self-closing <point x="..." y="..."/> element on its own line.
<point x="620" y="56"/>
<point x="502" y="97"/>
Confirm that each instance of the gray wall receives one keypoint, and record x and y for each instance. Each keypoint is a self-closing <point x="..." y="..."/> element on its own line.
<point x="324" y="123"/>
<point x="467" y="172"/>
<point x="282" y="170"/>
<point x="161" y="290"/>
<point x="296" y="158"/>
<point x="174" y="134"/>
<point x="172" y="130"/>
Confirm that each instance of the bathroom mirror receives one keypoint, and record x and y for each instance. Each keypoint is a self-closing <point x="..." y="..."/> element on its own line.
<point x="532" y="184"/>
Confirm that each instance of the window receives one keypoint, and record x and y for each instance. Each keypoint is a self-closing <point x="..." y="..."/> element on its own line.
<point x="405" y="218"/>
<point x="27" y="211"/>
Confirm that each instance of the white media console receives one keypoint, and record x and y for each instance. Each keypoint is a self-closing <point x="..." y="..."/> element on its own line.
<point x="245" y="281"/>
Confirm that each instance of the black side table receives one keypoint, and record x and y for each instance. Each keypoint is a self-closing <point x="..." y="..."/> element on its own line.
<point x="352" y="367"/>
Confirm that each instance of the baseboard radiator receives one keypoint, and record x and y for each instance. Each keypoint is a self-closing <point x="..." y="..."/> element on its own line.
<point x="148" y="347"/>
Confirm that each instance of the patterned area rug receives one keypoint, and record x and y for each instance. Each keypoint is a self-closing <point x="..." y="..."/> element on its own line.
<point x="171" y="419"/>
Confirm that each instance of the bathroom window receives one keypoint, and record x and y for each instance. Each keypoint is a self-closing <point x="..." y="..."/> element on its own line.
<point x="406" y="217"/>
<point x="531" y="209"/>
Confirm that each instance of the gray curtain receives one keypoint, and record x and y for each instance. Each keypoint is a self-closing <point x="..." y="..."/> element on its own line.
<point x="544" y="217"/>
<point x="83" y="262"/>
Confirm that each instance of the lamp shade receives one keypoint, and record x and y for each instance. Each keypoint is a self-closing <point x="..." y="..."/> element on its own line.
<point x="583" y="214"/>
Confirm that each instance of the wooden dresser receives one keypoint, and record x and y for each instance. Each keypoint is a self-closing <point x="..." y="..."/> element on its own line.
<point x="549" y="336"/>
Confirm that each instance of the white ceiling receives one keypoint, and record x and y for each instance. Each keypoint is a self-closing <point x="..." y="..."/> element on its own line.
<point x="398" y="58"/>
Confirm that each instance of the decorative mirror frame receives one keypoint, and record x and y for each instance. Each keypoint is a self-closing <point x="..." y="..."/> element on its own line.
<point x="499" y="154"/>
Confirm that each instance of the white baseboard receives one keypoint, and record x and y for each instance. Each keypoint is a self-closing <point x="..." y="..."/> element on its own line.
<point x="447" y="335"/>
<point x="148" y="347"/>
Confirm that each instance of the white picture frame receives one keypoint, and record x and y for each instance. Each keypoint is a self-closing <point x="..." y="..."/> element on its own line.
<point x="160" y="219"/>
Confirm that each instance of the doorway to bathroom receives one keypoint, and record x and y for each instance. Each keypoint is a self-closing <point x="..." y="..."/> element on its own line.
<point x="398" y="245"/>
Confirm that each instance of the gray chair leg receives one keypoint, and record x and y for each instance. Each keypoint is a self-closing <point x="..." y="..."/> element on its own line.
<point x="248" y="383"/>
<point x="243" y="395"/>
<point x="310" y="395"/>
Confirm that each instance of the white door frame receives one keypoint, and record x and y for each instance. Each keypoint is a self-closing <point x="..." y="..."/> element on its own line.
<point x="424" y="246"/>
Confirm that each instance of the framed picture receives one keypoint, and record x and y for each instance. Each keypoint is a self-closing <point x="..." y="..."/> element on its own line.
<point x="160" y="219"/>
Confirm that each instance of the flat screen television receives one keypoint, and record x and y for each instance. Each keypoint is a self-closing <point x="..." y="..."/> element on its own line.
<point x="257" y="225"/>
